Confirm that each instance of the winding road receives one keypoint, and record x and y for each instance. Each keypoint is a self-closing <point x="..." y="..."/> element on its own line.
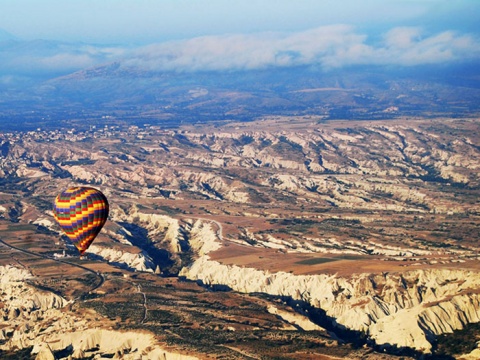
<point x="101" y="278"/>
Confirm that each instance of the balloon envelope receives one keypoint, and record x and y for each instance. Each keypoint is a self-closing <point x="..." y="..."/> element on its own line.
<point x="81" y="212"/>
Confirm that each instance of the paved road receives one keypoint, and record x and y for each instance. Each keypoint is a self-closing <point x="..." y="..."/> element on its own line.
<point x="145" y="308"/>
<point x="100" y="277"/>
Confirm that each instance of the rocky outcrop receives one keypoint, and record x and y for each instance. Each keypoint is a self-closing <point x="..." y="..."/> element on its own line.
<point x="402" y="310"/>
<point x="399" y="190"/>
<point x="25" y="308"/>
<point x="161" y="229"/>
<point x="473" y="355"/>
<point x="302" y="160"/>
<point x="297" y="320"/>
<point x="40" y="319"/>
<point x="82" y="174"/>
<point x="124" y="345"/>
<point x="139" y="261"/>
<point x="20" y="299"/>
<point x="202" y="238"/>
<point x="167" y="232"/>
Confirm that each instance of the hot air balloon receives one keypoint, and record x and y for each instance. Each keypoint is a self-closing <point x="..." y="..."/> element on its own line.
<point x="81" y="213"/>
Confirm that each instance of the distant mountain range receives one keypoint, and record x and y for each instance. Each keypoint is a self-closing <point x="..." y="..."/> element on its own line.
<point x="5" y="36"/>
<point x="37" y="95"/>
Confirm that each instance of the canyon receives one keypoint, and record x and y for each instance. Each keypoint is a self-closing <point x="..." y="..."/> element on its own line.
<point x="350" y="239"/>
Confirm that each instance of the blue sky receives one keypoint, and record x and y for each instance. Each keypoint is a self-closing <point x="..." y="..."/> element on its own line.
<point x="145" y="21"/>
<point x="190" y="35"/>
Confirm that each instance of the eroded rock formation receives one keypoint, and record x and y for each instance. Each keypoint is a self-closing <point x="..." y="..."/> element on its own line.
<point x="402" y="310"/>
<point x="40" y="319"/>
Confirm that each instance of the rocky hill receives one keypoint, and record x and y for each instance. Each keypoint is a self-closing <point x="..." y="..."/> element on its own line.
<point x="393" y="310"/>
<point x="38" y="320"/>
<point x="122" y="91"/>
<point x="366" y="229"/>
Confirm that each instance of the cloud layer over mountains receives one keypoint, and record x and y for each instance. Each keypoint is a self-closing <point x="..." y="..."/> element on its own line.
<point x="328" y="47"/>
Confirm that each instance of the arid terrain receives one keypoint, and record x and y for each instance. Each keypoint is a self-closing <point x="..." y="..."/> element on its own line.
<point x="279" y="238"/>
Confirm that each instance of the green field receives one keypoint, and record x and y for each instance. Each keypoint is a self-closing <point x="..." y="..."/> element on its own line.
<point x="20" y="227"/>
<point x="323" y="260"/>
<point x="315" y="261"/>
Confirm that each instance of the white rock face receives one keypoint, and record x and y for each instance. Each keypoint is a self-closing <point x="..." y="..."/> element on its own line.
<point x="127" y="345"/>
<point x="33" y="318"/>
<point x="161" y="228"/>
<point x="398" y="309"/>
<point x="80" y="173"/>
<point x="10" y="274"/>
<point x="44" y="353"/>
<point x="24" y="171"/>
<point x="474" y="355"/>
<point x="19" y="299"/>
<point x="138" y="261"/>
<point x="296" y="319"/>
<point x="47" y="223"/>
<point x="203" y="238"/>
<point x="167" y="232"/>
<point x="23" y="305"/>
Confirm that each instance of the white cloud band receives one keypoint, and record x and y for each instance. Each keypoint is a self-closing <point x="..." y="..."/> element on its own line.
<point x="330" y="46"/>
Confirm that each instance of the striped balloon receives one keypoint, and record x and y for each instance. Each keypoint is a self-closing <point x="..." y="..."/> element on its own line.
<point x="81" y="213"/>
